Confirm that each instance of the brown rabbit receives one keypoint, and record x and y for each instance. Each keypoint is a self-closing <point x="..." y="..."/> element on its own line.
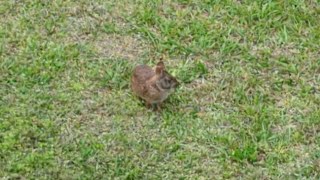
<point x="153" y="85"/>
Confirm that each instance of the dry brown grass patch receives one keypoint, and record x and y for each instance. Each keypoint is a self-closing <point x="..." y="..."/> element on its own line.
<point x="123" y="47"/>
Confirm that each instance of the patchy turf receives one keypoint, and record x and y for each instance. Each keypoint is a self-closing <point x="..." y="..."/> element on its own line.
<point x="248" y="106"/>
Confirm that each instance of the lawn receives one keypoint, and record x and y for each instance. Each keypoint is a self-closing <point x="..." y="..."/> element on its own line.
<point x="248" y="105"/>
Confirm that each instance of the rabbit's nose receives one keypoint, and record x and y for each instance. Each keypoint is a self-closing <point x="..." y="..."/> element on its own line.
<point x="177" y="84"/>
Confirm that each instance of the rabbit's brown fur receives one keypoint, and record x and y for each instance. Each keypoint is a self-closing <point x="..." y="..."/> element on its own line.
<point x="153" y="85"/>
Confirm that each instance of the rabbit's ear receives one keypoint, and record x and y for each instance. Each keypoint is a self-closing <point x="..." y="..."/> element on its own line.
<point x="160" y="67"/>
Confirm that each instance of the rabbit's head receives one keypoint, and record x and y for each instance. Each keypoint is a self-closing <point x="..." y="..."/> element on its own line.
<point x="165" y="80"/>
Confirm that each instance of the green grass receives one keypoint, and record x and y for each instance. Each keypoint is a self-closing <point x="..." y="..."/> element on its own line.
<point x="248" y="106"/>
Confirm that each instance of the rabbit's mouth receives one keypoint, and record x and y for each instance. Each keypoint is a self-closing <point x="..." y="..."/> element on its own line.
<point x="177" y="84"/>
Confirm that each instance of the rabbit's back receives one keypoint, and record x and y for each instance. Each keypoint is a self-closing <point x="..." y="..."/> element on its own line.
<point x="142" y="73"/>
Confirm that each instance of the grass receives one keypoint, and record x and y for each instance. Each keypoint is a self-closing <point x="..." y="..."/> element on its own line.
<point x="248" y="106"/>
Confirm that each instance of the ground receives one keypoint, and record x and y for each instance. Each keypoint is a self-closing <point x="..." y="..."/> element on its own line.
<point x="247" y="107"/>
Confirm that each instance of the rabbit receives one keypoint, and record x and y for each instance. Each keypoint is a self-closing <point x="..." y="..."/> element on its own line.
<point x="153" y="85"/>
